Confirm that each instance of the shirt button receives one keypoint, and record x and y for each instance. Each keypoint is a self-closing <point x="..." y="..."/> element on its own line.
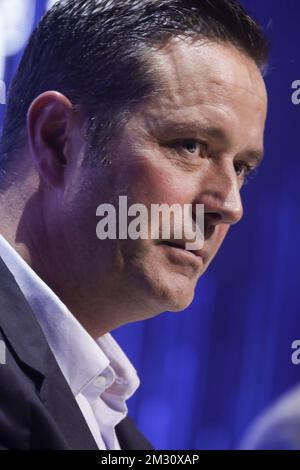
<point x="100" y="382"/>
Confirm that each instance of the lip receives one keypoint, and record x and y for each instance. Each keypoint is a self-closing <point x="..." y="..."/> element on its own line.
<point x="181" y="245"/>
<point x="179" y="251"/>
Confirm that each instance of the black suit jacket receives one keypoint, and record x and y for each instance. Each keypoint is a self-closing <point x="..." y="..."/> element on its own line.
<point x="37" y="407"/>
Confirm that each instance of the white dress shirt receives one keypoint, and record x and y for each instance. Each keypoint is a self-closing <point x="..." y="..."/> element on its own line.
<point x="99" y="374"/>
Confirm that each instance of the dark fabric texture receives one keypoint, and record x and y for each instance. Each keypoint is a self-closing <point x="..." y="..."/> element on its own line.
<point x="37" y="408"/>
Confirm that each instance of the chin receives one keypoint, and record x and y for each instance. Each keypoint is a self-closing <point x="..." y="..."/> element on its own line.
<point x="160" y="290"/>
<point x="175" y="298"/>
<point x="181" y="304"/>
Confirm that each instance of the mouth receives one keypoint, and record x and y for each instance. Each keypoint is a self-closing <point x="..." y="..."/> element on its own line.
<point x="181" y="247"/>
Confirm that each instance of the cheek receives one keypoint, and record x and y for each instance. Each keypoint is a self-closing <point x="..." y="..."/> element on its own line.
<point x="218" y="238"/>
<point x="149" y="182"/>
<point x="222" y="231"/>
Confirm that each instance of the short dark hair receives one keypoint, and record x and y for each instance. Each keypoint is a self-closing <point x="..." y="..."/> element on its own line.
<point x="95" y="53"/>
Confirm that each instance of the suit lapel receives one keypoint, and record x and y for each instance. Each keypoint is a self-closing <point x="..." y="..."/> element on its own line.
<point x="58" y="398"/>
<point x="25" y="336"/>
<point x="130" y="437"/>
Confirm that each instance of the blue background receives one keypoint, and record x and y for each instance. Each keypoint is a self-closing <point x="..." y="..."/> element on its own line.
<point x="208" y="371"/>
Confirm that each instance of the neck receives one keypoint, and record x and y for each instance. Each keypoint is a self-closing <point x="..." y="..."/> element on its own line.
<point x="23" y="225"/>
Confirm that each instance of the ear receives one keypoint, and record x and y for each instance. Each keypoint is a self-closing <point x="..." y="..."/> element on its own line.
<point x="49" y="122"/>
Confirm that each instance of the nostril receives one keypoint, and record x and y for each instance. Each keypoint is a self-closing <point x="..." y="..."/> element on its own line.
<point x="211" y="219"/>
<point x="208" y="231"/>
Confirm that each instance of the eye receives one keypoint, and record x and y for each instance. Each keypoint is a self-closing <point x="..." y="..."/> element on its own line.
<point x="191" y="146"/>
<point x="244" y="170"/>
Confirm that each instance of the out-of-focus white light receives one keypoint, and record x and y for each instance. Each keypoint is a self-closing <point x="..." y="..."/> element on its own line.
<point x="16" y="22"/>
<point x="2" y="92"/>
<point x="50" y="4"/>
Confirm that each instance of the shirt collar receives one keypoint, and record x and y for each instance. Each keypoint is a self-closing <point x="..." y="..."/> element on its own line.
<point x="88" y="365"/>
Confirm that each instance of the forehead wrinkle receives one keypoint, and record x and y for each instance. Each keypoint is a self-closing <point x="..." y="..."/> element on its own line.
<point x="177" y="72"/>
<point x="201" y="116"/>
<point x="214" y="94"/>
<point x="226" y="91"/>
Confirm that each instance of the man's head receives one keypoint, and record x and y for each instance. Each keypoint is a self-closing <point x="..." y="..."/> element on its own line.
<point x="171" y="94"/>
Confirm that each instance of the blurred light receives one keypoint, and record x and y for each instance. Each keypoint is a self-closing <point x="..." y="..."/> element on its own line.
<point x="16" y="22"/>
<point x="2" y="92"/>
<point x="50" y="4"/>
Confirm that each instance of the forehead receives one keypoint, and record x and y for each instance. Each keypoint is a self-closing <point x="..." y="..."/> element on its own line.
<point x="204" y="80"/>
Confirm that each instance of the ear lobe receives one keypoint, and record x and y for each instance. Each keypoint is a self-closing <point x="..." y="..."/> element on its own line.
<point x="48" y="124"/>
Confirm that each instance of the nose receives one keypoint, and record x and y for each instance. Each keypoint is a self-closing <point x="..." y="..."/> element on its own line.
<point x="221" y="197"/>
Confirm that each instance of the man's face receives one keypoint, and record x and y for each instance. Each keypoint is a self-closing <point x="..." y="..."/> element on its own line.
<point x="192" y="143"/>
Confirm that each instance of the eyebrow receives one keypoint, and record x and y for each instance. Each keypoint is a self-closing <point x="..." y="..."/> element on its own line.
<point x="254" y="156"/>
<point x="212" y="132"/>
